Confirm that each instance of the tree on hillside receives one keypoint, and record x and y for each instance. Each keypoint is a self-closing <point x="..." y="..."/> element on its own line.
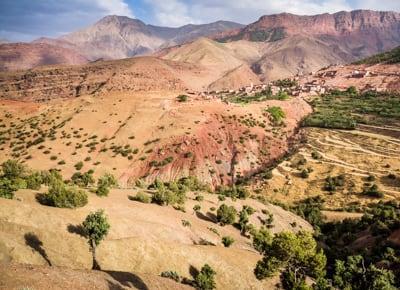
<point x="354" y="274"/>
<point x="295" y="255"/>
<point x="96" y="227"/>
<point x="205" y="279"/>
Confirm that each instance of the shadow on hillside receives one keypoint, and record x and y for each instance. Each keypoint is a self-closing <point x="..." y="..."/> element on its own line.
<point x="114" y="286"/>
<point x="208" y="217"/>
<point x="193" y="271"/>
<point x="33" y="241"/>
<point x="76" y="229"/>
<point x="127" y="279"/>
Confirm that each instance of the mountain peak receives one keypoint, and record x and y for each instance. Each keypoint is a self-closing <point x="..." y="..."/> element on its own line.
<point x="119" y="21"/>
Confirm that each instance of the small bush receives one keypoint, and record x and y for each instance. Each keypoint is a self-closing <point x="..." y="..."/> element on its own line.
<point x="304" y="174"/>
<point x="141" y="197"/>
<point x="186" y="223"/>
<point x="7" y="188"/>
<point x="34" y="181"/>
<point x="78" y="166"/>
<point x="227" y="241"/>
<point x="171" y="275"/>
<point x="373" y="191"/>
<point x="226" y="215"/>
<point x="182" y="98"/>
<point x="205" y="279"/>
<point x="199" y="198"/>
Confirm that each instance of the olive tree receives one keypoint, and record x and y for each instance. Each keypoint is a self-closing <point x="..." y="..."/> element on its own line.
<point x="96" y="227"/>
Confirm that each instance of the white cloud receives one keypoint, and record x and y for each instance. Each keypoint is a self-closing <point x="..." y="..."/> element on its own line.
<point x="382" y="5"/>
<point x="179" y="12"/>
<point x="171" y="12"/>
<point x="117" y="7"/>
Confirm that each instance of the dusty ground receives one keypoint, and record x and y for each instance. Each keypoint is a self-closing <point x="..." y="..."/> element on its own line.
<point x="144" y="238"/>
<point x="357" y="154"/>
<point x="22" y="276"/>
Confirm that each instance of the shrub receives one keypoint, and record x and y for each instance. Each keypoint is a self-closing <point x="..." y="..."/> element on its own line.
<point x="34" y="181"/>
<point x="104" y="183"/>
<point x="304" y="174"/>
<point x="226" y="215"/>
<point x="186" y="223"/>
<point x="196" y="207"/>
<point x="7" y="188"/>
<point x="78" y="166"/>
<point x="205" y="279"/>
<point x="182" y="98"/>
<point x="372" y="191"/>
<point x="83" y="179"/>
<point x="141" y="197"/>
<point x="199" y="198"/>
<point x="102" y="190"/>
<point x="48" y="177"/>
<point x="227" y="241"/>
<point x="171" y="275"/>
<point x="276" y="114"/>
<point x="60" y="195"/>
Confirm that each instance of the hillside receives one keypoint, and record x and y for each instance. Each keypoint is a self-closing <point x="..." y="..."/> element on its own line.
<point x="145" y="239"/>
<point x="21" y="56"/>
<point x="130" y="75"/>
<point x="388" y="57"/>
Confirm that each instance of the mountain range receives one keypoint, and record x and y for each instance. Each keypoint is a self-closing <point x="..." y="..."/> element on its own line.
<point x="115" y="37"/>
<point x="275" y="46"/>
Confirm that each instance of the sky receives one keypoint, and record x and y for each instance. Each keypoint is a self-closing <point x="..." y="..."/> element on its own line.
<point x="26" y="20"/>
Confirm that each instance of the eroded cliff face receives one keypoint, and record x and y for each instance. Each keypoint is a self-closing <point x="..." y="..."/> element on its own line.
<point x="357" y="33"/>
<point x="232" y="142"/>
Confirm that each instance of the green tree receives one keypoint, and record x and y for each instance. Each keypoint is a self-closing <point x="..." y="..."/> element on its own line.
<point x="104" y="183"/>
<point x="96" y="228"/>
<point x="354" y="275"/>
<point x="226" y="215"/>
<point x="244" y="218"/>
<point x="60" y="195"/>
<point x="205" y="279"/>
<point x="12" y="169"/>
<point x="296" y="255"/>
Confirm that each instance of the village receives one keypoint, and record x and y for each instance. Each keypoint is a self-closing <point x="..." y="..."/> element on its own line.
<point x="312" y="84"/>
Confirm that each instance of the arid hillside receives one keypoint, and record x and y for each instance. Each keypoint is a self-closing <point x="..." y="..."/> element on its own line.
<point x="99" y="78"/>
<point x="144" y="240"/>
<point x="149" y="135"/>
<point x="21" y="56"/>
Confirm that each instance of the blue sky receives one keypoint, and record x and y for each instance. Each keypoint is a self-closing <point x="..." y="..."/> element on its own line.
<point x="25" y="20"/>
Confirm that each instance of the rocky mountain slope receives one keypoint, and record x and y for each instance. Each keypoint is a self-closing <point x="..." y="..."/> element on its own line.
<point x="358" y="33"/>
<point x="301" y="44"/>
<point x="20" y="56"/>
<point x="115" y="37"/>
